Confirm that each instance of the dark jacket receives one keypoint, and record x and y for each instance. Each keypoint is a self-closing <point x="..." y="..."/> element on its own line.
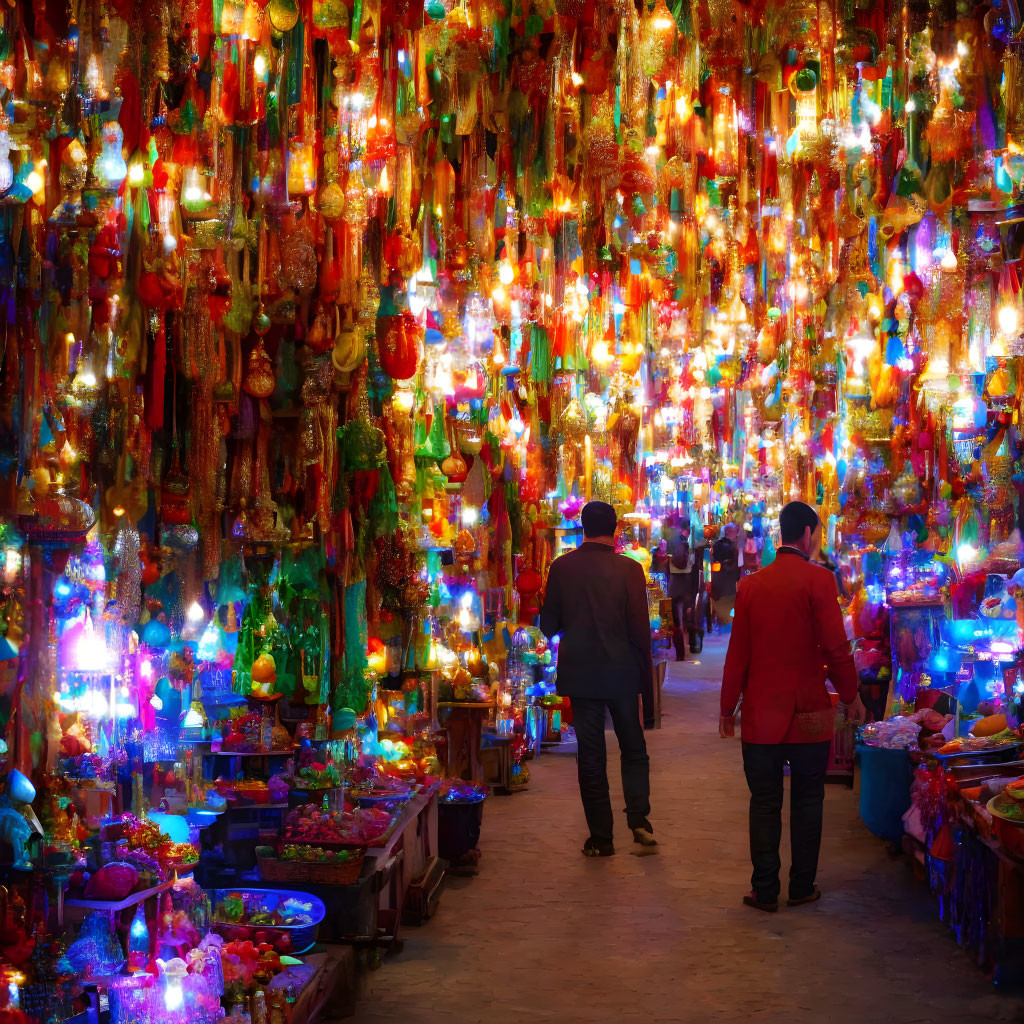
<point x="597" y="600"/>
<point x="787" y="638"/>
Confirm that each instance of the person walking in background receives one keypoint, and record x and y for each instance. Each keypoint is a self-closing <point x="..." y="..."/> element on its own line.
<point x="751" y="551"/>
<point x="825" y="559"/>
<point x="597" y="601"/>
<point x="660" y="557"/>
<point x="725" y="573"/>
<point x="681" y="592"/>
<point x="787" y="636"/>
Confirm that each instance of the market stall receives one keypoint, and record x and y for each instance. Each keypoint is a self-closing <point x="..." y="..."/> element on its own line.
<point x="323" y="319"/>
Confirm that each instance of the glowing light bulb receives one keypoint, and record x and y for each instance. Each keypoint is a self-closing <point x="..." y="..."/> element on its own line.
<point x="259" y="65"/>
<point x="34" y="181"/>
<point x="506" y="275"/>
<point x="195" y="612"/>
<point x="949" y="261"/>
<point x="136" y="172"/>
<point x="1007" y="317"/>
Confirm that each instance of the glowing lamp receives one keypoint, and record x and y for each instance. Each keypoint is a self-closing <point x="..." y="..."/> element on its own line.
<point x="138" y="940"/>
<point x="173" y="971"/>
<point x="1007" y="317"/>
<point x="91" y="653"/>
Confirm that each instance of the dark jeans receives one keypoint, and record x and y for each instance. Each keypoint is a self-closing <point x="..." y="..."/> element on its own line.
<point x="763" y="764"/>
<point x="591" y="760"/>
<point x="682" y="592"/>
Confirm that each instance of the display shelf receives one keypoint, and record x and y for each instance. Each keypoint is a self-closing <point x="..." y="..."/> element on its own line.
<point x="287" y="752"/>
<point x="129" y="901"/>
<point x="258" y="807"/>
<point x="249" y="753"/>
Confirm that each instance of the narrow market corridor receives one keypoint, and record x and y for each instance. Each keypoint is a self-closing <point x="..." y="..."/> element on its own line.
<point x="542" y="934"/>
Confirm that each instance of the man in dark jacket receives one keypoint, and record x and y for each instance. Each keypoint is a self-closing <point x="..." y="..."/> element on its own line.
<point x="597" y="601"/>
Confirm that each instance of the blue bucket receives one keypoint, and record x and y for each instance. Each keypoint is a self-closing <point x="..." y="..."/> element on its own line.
<point x="885" y="777"/>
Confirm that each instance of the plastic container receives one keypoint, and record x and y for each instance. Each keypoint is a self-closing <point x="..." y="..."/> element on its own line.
<point x="885" y="777"/>
<point x="267" y="901"/>
<point x="458" y="828"/>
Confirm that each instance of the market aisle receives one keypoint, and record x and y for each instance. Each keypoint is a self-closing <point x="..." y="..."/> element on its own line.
<point x="544" y="935"/>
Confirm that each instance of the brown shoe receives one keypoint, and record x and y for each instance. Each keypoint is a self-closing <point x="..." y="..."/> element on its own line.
<point x="812" y="898"/>
<point x="644" y="837"/>
<point x="752" y="901"/>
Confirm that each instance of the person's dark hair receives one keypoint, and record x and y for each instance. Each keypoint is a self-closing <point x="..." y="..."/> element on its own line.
<point x="795" y="517"/>
<point x="598" y="519"/>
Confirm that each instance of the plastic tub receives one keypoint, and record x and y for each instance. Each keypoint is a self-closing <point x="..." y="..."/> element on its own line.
<point x="458" y="828"/>
<point x="268" y="901"/>
<point x="885" y="777"/>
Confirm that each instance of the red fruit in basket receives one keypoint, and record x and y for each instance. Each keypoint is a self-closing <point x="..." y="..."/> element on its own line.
<point x="284" y="943"/>
<point x="261" y="937"/>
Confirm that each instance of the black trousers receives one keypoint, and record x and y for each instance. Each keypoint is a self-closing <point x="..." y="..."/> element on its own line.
<point x="763" y="764"/>
<point x="592" y="763"/>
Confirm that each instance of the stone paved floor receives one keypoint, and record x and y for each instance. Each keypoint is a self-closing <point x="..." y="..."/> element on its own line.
<point x="545" y="935"/>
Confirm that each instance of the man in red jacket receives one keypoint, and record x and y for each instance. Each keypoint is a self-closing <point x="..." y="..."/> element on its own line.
<point x="787" y="637"/>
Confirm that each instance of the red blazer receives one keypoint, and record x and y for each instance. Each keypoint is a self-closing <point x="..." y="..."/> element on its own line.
<point x="787" y="636"/>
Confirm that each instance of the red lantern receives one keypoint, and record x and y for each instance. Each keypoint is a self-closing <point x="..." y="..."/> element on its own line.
<point x="399" y="344"/>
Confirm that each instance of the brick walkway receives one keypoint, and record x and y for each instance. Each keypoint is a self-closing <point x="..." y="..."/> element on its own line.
<point x="543" y="935"/>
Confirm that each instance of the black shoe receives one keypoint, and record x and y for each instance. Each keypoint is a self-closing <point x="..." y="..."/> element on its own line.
<point x="598" y="848"/>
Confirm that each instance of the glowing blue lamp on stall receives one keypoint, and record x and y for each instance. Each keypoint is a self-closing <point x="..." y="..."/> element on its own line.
<point x="138" y="940"/>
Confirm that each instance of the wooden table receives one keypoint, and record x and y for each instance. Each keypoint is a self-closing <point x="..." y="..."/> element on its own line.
<point x="369" y="912"/>
<point x="325" y="984"/>
<point x="406" y="856"/>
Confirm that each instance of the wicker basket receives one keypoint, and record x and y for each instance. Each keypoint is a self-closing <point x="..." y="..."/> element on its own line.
<point x="273" y="869"/>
